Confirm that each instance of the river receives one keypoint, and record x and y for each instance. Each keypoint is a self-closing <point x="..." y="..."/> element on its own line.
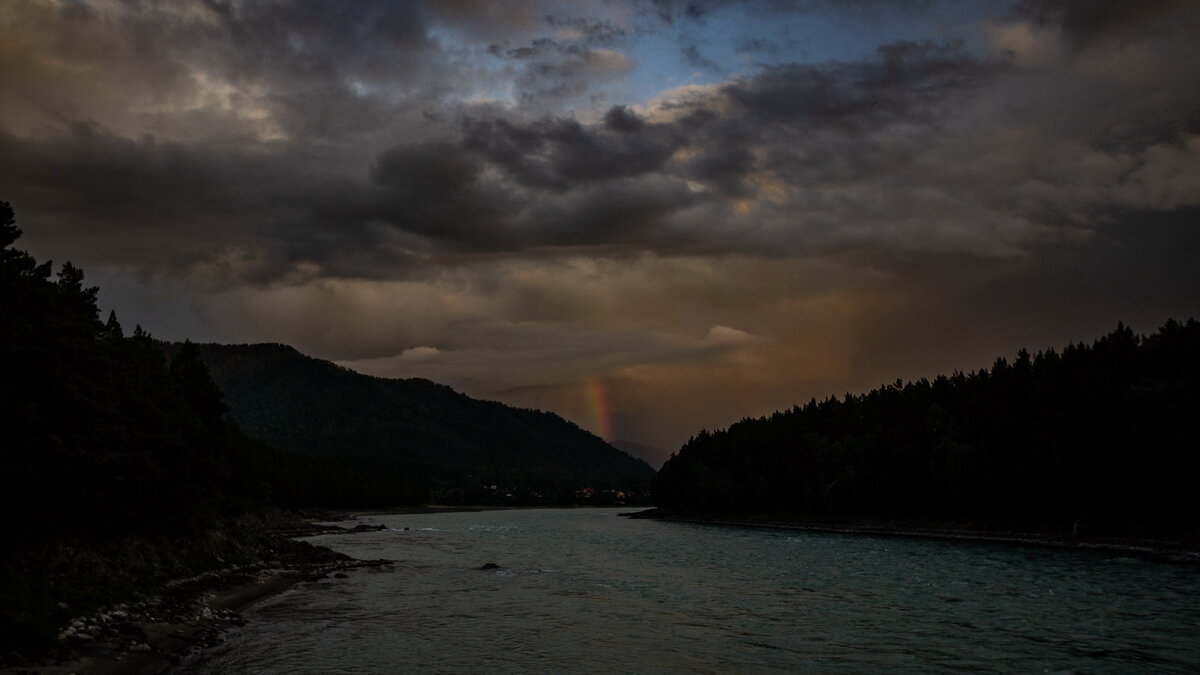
<point x="583" y="590"/>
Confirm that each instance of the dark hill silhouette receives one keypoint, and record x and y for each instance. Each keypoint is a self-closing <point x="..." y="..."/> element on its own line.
<point x="118" y="452"/>
<point x="1102" y="433"/>
<point x="105" y="435"/>
<point x="298" y="403"/>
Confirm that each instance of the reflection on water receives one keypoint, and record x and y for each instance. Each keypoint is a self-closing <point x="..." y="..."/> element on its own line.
<point x="583" y="590"/>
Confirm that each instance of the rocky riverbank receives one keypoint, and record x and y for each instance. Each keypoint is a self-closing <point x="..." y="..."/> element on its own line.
<point x="125" y="608"/>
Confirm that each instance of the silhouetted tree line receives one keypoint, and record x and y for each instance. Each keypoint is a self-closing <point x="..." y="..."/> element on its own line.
<point x="103" y="434"/>
<point x="1106" y="432"/>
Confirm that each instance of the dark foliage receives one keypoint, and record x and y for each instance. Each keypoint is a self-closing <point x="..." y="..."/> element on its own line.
<point x="104" y="436"/>
<point x="454" y="446"/>
<point x="110" y="439"/>
<point x="1100" y="433"/>
<point x="107" y="434"/>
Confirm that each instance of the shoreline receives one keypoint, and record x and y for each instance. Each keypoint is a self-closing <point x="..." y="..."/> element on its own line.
<point x="166" y="623"/>
<point x="178" y="619"/>
<point x="1177" y="549"/>
<point x="183" y="617"/>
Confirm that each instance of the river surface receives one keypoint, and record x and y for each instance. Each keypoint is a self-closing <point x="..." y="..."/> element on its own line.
<point x="583" y="590"/>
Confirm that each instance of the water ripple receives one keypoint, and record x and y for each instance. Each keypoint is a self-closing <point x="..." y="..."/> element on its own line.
<point x="580" y="590"/>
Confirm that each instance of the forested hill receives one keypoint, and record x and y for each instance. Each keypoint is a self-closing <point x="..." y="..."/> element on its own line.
<point x="105" y="436"/>
<point x="1105" y="432"/>
<point x="458" y="445"/>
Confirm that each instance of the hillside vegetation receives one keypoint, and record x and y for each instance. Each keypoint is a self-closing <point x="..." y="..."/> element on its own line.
<point x="103" y="434"/>
<point x="1099" y="433"/>
<point x="456" y="445"/>
<point x="120" y="452"/>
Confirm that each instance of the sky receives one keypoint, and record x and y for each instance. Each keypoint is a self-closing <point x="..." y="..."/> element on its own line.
<point x="648" y="216"/>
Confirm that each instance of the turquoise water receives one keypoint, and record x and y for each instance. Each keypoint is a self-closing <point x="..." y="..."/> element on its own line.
<point x="586" y="591"/>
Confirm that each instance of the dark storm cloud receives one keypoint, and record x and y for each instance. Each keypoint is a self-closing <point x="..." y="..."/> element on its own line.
<point x="558" y="154"/>
<point x="127" y="197"/>
<point x="309" y="38"/>
<point x="433" y="189"/>
<point x="768" y="143"/>
<point x="513" y="185"/>
<point x="323" y="60"/>
<point x="907" y="81"/>
<point x="772" y="113"/>
<point x="622" y="213"/>
<point x="437" y="189"/>
<point x="488" y="21"/>
<point x="555" y="157"/>
<point x="435" y="170"/>
<point x="552" y="72"/>
<point x="723" y="167"/>
<point x="670" y="11"/>
<point x="373" y="181"/>
<point x="278" y="93"/>
<point x="1084" y="22"/>
<point x="175" y="209"/>
<point x="312" y="66"/>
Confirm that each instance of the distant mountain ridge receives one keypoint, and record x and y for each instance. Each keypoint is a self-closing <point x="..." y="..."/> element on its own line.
<point x="302" y="404"/>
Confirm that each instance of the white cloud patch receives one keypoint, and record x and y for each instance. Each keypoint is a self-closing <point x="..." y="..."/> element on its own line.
<point x="724" y="336"/>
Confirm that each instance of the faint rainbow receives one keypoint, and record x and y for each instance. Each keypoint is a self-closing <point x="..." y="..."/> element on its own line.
<point x="599" y="408"/>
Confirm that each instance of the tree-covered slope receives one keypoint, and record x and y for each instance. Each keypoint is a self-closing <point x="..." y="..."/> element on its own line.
<point x="1108" y="432"/>
<point x="101" y="433"/>
<point x="307" y="405"/>
<point x="104" y="434"/>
